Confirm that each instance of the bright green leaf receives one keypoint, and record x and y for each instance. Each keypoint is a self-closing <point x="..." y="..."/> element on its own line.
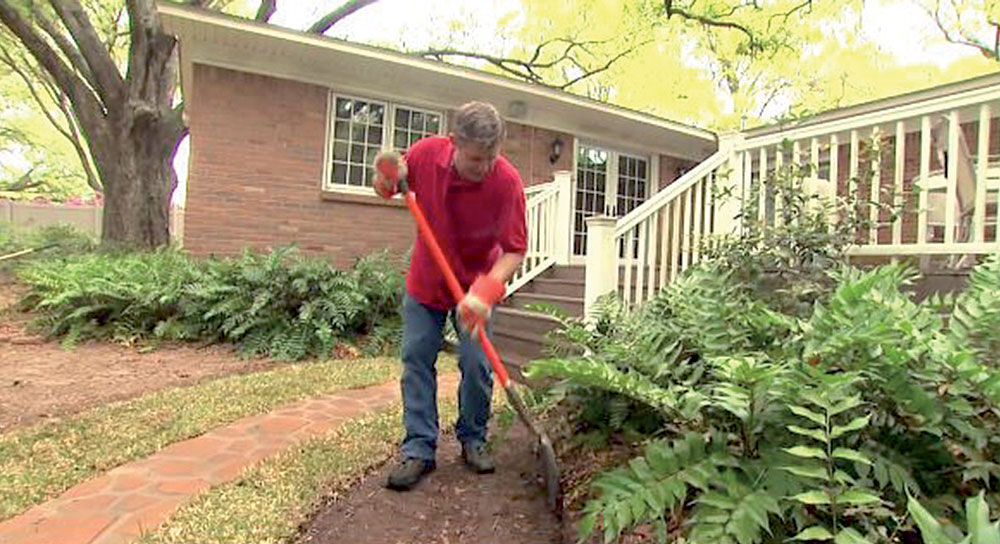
<point x="819" y="419"/>
<point x="978" y="518"/>
<point x="854" y="425"/>
<point x="814" y="533"/>
<point x="803" y="451"/>
<point x="812" y="497"/>
<point x="851" y="455"/>
<point x="855" y="496"/>
<point x="816" y="434"/>
<point x="930" y="528"/>
<point x="808" y="472"/>
<point x="850" y="536"/>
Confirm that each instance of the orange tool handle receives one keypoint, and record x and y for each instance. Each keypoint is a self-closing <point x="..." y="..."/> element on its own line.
<point x="391" y="172"/>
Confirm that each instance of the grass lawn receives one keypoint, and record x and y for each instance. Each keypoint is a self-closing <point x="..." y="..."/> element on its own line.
<point x="40" y="462"/>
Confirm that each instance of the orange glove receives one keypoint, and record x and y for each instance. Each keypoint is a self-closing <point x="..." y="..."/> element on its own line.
<point x="474" y="310"/>
<point x="389" y="169"/>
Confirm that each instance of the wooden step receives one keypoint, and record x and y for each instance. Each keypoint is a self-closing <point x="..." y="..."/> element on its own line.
<point x="572" y="305"/>
<point x="564" y="272"/>
<point x="549" y="286"/>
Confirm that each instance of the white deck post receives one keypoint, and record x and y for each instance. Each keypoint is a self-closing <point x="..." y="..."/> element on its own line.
<point x="563" y="249"/>
<point x="729" y="207"/>
<point x="602" y="261"/>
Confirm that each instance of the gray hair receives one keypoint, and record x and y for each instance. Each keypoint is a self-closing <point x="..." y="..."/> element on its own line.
<point x="480" y="123"/>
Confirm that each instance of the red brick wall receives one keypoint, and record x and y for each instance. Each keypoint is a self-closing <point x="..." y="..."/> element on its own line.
<point x="528" y="148"/>
<point x="257" y="167"/>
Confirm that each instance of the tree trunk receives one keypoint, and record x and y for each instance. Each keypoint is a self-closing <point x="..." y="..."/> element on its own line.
<point x="138" y="179"/>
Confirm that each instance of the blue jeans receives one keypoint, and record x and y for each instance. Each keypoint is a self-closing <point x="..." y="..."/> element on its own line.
<point x="422" y="339"/>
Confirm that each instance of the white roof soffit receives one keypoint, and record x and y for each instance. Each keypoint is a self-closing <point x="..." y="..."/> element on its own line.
<point x="219" y="40"/>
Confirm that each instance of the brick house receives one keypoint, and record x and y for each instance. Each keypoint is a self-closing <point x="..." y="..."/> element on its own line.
<point x="284" y="124"/>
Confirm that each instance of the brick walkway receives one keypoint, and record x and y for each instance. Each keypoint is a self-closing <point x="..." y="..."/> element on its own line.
<point x="116" y="507"/>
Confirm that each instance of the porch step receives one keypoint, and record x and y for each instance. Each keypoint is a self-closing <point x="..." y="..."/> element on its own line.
<point x="569" y="272"/>
<point x="558" y="287"/>
<point x="572" y="305"/>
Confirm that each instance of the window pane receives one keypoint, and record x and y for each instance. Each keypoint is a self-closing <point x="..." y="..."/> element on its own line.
<point x="417" y="121"/>
<point x="434" y="124"/>
<point x="357" y="173"/>
<point x="370" y="156"/>
<point x="414" y="136"/>
<point x="340" y="151"/>
<point x="374" y="136"/>
<point x="341" y="130"/>
<point x="339" y="173"/>
<point x="357" y="153"/>
<point x="344" y="107"/>
<point x="377" y="114"/>
<point x="402" y="116"/>
<point x="399" y="141"/>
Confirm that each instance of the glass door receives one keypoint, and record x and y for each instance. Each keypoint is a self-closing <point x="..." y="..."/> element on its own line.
<point x="607" y="183"/>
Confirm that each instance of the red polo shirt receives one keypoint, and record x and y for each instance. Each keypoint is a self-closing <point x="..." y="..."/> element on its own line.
<point x="474" y="221"/>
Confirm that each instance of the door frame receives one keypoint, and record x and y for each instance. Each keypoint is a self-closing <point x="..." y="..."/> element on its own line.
<point x="653" y="185"/>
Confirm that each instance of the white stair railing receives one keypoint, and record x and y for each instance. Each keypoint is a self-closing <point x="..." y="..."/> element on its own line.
<point x="548" y="214"/>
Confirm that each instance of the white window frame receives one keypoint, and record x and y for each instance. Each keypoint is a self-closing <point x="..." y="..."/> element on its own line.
<point x="614" y="155"/>
<point x="388" y="133"/>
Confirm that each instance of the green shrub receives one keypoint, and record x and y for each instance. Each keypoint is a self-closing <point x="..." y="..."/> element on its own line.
<point x="792" y="396"/>
<point x="774" y="427"/>
<point x="280" y="304"/>
<point x="62" y="239"/>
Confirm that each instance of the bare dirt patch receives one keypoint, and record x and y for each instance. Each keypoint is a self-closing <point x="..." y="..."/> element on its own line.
<point x="451" y="505"/>
<point x="40" y="380"/>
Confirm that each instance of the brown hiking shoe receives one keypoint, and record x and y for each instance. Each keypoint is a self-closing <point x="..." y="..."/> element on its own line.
<point x="408" y="473"/>
<point x="478" y="459"/>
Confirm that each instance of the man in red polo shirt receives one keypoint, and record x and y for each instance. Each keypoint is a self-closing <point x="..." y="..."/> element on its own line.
<point x="474" y="201"/>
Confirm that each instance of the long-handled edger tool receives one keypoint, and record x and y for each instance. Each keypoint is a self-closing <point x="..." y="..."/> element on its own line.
<point x="389" y="169"/>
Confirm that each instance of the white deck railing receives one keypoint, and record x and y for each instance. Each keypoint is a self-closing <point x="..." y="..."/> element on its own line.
<point x="934" y="161"/>
<point x="548" y="212"/>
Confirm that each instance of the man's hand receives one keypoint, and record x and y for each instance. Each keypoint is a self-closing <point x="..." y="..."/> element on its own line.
<point x="474" y="310"/>
<point x="389" y="168"/>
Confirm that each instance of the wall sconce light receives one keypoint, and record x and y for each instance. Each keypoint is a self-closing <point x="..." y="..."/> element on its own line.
<point x="556" y="150"/>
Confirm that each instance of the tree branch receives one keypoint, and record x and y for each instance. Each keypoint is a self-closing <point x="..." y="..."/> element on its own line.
<point x="71" y="52"/>
<point x="8" y="59"/>
<point x="266" y="10"/>
<point x="330" y="19"/>
<point x="606" y="66"/>
<point x="83" y="99"/>
<point x="708" y="21"/>
<point x="107" y="80"/>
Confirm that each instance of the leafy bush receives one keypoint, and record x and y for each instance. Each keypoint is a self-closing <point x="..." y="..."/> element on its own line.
<point x="775" y="427"/>
<point x="279" y="304"/>
<point x="783" y="395"/>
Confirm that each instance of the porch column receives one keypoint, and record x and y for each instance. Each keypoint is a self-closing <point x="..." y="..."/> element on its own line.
<point x="729" y="188"/>
<point x="602" y="261"/>
<point x="563" y="249"/>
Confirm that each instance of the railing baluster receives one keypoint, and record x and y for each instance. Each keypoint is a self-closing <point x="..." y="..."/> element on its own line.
<point x="651" y="239"/>
<point x="627" y="261"/>
<point x="686" y="229"/>
<point x="852" y="182"/>
<point x="814" y="172"/>
<point x="675" y="239"/>
<point x="640" y="268"/>
<point x="835" y="164"/>
<point x="876" y="185"/>
<point x="699" y="187"/>
<point x="900" y="167"/>
<point x="983" y="154"/>
<point x="779" y="163"/>
<point x="762" y="188"/>
<point x="951" y="200"/>
<point x="925" y="171"/>
<point x="664" y="245"/>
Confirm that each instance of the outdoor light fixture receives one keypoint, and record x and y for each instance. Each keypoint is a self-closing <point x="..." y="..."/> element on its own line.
<point x="556" y="150"/>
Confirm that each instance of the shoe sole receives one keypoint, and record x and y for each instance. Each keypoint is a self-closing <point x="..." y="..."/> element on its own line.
<point x="406" y="487"/>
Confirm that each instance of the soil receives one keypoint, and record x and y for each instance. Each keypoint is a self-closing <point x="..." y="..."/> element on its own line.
<point x="450" y="505"/>
<point x="40" y="380"/>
